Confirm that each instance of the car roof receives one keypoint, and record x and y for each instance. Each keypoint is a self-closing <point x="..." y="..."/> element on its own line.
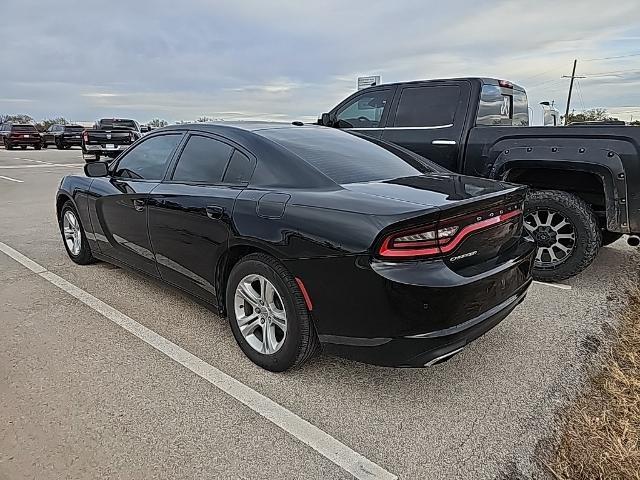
<point x="250" y="126"/>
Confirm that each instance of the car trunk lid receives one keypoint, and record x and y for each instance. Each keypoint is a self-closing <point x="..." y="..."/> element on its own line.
<point x="476" y="220"/>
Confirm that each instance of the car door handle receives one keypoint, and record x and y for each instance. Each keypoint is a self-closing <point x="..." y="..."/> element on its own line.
<point x="139" y="205"/>
<point x="443" y="142"/>
<point x="214" y="212"/>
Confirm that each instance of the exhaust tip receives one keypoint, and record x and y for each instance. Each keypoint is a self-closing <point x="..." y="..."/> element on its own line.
<point x="633" y="240"/>
<point x="443" y="358"/>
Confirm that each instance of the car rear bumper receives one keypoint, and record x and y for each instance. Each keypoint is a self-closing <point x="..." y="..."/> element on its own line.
<point x="410" y="313"/>
<point x="423" y="349"/>
<point x="71" y="141"/>
<point x="104" y="149"/>
<point x="24" y="141"/>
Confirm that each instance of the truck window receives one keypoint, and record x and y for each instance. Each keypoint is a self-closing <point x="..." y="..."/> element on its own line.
<point x="429" y="106"/>
<point x="520" y="109"/>
<point x="364" y="111"/>
<point x="500" y="106"/>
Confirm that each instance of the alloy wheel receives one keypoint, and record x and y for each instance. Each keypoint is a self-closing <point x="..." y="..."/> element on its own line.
<point x="554" y="234"/>
<point x="260" y="314"/>
<point x="72" y="233"/>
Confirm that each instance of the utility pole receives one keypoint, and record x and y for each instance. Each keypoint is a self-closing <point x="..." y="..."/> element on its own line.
<point x="572" y="77"/>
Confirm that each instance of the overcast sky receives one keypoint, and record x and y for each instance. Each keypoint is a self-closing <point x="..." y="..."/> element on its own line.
<point x="295" y="59"/>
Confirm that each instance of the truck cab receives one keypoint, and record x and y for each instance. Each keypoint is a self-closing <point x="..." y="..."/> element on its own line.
<point x="447" y="109"/>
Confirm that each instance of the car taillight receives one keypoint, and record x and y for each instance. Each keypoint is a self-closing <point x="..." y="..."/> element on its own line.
<point x="85" y="136"/>
<point x="131" y="136"/>
<point x="443" y="237"/>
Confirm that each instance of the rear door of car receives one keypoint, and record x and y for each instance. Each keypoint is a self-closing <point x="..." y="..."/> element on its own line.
<point x="428" y="118"/>
<point x="190" y="213"/>
<point x="364" y="112"/>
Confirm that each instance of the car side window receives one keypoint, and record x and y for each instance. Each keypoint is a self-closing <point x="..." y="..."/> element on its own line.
<point x="203" y="160"/>
<point x="364" y="111"/>
<point x="428" y="106"/>
<point x="148" y="160"/>
<point x="239" y="170"/>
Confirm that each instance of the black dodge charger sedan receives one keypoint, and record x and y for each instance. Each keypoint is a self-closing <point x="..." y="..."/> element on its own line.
<point x="306" y="236"/>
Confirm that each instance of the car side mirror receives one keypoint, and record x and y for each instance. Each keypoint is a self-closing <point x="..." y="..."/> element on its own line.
<point x="96" y="169"/>
<point x="326" y="120"/>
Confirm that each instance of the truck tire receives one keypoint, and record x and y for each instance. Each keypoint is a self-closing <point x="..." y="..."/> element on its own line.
<point x="566" y="231"/>
<point x="610" y="237"/>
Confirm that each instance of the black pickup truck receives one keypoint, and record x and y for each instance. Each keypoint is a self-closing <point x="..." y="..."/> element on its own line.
<point x="109" y="137"/>
<point x="584" y="180"/>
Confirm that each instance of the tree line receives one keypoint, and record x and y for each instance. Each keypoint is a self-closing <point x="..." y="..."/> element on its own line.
<point x="44" y="124"/>
<point x="595" y="115"/>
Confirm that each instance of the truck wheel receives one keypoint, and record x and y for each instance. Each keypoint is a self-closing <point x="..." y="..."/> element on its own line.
<point x="7" y="145"/>
<point x="566" y="231"/>
<point x="610" y="237"/>
<point x="59" y="145"/>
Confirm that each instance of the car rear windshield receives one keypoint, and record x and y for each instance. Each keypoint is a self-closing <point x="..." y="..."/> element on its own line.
<point x="342" y="157"/>
<point x="117" y="123"/>
<point x="73" y="128"/>
<point x="23" y="128"/>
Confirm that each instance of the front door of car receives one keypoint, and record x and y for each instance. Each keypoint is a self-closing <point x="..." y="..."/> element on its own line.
<point x="365" y="112"/>
<point x="429" y="119"/>
<point x="119" y="201"/>
<point x="191" y="213"/>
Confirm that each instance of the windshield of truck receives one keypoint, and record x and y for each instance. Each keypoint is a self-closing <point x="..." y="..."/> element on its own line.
<point x="502" y="106"/>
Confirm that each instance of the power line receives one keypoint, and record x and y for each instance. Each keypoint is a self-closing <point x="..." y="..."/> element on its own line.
<point x="579" y="88"/>
<point x="610" y="58"/>
<point x="553" y="80"/>
<point x="612" y="72"/>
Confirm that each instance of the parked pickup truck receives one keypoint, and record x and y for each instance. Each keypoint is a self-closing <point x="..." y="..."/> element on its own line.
<point x="109" y="137"/>
<point x="584" y="180"/>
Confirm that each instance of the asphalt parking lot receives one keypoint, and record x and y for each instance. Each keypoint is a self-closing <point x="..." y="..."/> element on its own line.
<point x="81" y="397"/>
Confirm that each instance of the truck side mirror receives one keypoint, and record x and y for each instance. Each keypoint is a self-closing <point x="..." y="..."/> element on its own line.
<point x="96" y="169"/>
<point x="326" y="120"/>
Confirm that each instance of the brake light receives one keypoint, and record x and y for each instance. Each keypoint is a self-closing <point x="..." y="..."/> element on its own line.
<point x="443" y="238"/>
<point x="85" y="136"/>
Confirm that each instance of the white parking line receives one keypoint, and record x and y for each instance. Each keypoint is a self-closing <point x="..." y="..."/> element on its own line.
<point x="11" y="179"/>
<point x="42" y="165"/>
<point x="340" y="454"/>
<point x="554" y="285"/>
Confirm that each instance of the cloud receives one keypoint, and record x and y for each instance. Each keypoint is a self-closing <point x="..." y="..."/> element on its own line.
<point x="290" y="59"/>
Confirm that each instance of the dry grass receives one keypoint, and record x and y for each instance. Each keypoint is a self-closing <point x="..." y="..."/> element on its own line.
<point x="601" y="436"/>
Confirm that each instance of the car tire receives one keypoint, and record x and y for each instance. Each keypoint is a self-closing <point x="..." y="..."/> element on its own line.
<point x="610" y="237"/>
<point x="8" y="145"/>
<point x="58" y="144"/>
<point x="299" y="342"/>
<point x="37" y="147"/>
<point x="82" y="255"/>
<point x="44" y="145"/>
<point x="23" y="147"/>
<point x="581" y="222"/>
